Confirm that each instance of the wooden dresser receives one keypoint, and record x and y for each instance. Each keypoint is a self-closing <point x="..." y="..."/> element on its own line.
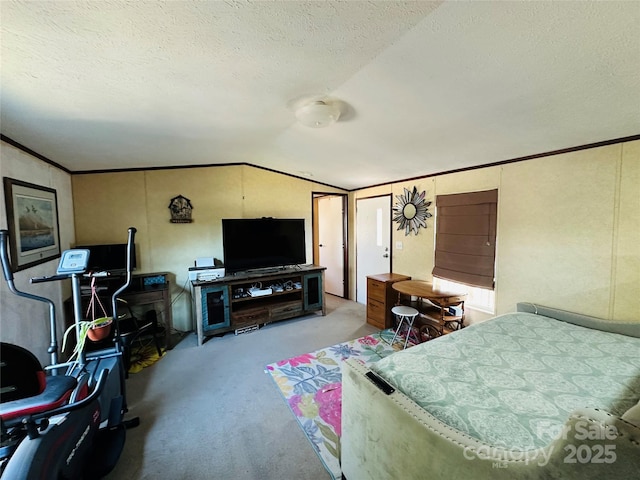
<point x="381" y="298"/>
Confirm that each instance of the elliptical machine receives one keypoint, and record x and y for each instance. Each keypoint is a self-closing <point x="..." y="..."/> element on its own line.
<point x="65" y="421"/>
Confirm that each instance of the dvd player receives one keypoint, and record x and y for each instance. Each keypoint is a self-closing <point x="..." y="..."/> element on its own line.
<point x="259" y="292"/>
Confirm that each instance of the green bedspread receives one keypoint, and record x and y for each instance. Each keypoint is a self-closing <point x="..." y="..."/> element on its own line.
<point x="513" y="381"/>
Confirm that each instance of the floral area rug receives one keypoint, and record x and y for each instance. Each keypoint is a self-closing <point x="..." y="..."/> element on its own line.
<point x="311" y="384"/>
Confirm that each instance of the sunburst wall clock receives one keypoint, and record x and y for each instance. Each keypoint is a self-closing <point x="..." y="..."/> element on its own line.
<point x="411" y="211"/>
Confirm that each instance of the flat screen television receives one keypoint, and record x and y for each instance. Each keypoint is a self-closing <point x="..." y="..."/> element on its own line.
<point x="109" y="257"/>
<point x="255" y="243"/>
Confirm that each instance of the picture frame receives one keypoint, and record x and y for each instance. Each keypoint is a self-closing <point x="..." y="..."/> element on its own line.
<point x="32" y="218"/>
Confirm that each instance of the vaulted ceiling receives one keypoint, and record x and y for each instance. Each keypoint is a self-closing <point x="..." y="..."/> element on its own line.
<point x="423" y="87"/>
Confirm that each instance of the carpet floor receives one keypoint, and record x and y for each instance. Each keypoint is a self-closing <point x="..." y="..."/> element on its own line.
<point x="210" y="412"/>
<point x="311" y="384"/>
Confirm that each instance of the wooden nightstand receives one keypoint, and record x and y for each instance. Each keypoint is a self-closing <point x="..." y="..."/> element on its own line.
<point x="381" y="297"/>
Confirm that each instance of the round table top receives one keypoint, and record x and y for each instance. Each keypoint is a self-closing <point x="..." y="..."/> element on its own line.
<point x="420" y="288"/>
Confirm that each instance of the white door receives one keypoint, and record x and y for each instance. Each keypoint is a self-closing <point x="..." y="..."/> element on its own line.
<point x="331" y="243"/>
<point x="373" y="241"/>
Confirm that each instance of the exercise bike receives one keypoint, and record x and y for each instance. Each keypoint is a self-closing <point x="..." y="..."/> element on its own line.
<point x="65" y="421"/>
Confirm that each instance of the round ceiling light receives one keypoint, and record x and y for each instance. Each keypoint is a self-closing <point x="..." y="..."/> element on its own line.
<point x="318" y="114"/>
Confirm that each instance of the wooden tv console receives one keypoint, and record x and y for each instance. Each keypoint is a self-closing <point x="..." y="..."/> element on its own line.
<point x="224" y="304"/>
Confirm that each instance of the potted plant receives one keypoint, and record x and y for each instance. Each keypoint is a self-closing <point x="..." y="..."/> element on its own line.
<point x="98" y="328"/>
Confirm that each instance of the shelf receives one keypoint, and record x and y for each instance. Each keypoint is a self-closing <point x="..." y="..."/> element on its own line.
<point x="438" y="316"/>
<point x="249" y="298"/>
<point x="249" y="302"/>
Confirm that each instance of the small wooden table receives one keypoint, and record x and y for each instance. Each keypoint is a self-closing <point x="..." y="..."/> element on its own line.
<point x="438" y="309"/>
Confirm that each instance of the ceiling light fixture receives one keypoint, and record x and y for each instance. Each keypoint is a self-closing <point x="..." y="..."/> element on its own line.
<point x="318" y="114"/>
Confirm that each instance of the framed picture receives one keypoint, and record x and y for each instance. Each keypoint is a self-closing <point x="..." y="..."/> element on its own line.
<point x="32" y="217"/>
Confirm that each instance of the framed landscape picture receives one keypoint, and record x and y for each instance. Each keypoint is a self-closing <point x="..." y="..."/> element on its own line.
<point x="32" y="217"/>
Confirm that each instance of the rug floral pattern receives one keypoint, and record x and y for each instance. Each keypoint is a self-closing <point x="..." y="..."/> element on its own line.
<point x="311" y="384"/>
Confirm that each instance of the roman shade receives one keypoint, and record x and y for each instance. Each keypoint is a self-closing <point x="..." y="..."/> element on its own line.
<point x="466" y="237"/>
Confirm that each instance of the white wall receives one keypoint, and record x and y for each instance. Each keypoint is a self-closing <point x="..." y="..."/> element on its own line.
<point x="25" y="322"/>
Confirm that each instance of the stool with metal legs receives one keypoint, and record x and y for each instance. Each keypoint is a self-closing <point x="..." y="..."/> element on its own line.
<point x="404" y="314"/>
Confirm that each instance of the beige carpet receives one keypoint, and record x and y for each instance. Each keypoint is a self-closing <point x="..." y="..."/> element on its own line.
<point x="211" y="412"/>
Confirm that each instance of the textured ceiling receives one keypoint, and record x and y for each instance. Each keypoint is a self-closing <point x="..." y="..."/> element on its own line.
<point x="425" y="87"/>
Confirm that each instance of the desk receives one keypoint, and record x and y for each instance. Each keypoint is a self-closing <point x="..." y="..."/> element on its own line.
<point x="138" y="294"/>
<point x="438" y="309"/>
<point x="151" y="296"/>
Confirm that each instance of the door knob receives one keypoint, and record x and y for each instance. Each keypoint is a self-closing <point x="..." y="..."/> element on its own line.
<point x="386" y="255"/>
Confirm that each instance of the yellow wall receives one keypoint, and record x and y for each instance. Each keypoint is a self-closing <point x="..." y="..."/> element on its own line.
<point x="568" y="227"/>
<point x="626" y="269"/>
<point x="107" y="204"/>
<point x="568" y="230"/>
<point x="25" y="322"/>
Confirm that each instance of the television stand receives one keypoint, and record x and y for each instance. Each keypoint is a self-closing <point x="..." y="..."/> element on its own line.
<point x="224" y="304"/>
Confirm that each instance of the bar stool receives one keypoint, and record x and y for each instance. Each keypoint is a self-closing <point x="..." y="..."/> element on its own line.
<point x="404" y="314"/>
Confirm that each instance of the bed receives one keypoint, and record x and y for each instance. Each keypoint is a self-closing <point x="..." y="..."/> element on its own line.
<point x="539" y="393"/>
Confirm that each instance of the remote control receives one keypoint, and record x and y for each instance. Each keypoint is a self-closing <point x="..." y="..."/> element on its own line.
<point x="380" y="383"/>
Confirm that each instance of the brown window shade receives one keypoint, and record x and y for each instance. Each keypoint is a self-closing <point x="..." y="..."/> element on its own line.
<point x="466" y="237"/>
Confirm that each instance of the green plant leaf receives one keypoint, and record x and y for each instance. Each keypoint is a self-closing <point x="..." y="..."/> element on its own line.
<point x="327" y="361"/>
<point x="331" y="450"/>
<point x="327" y="432"/>
<point x="84" y="325"/>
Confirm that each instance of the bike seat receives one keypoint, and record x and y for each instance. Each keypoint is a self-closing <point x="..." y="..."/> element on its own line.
<point x="55" y="394"/>
<point x="26" y="390"/>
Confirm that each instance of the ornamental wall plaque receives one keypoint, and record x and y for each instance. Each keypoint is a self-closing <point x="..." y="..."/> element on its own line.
<point x="180" y="209"/>
<point x="411" y="211"/>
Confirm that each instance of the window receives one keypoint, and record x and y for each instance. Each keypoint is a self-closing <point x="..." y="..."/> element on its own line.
<point x="466" y="238"/>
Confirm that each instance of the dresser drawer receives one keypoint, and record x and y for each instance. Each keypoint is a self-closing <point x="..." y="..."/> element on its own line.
<point x="376" y="290"/>
<point x="376" y="313"/>
<point x="286" y="310"/>
<point x="375" y="323"/>
<point x="381" y="297"/>
<point x="249" y="316"/>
